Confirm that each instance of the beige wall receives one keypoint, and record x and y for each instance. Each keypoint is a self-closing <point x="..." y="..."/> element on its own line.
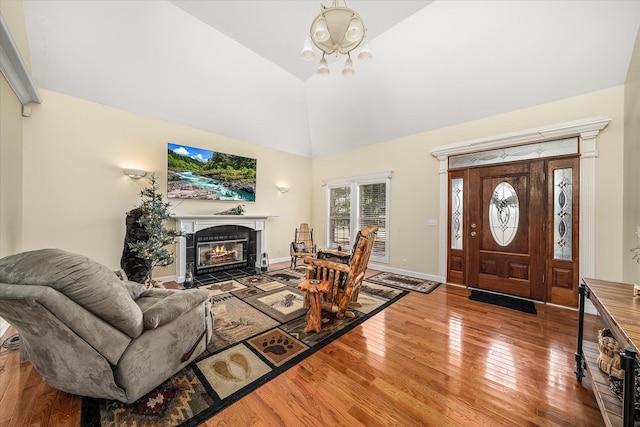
<point x="631" y="269"/>
<point x="76" y="196"/>
<point x="11" y="141"/>
<point x="415" y="182"/>
<point x="10" y="170"/>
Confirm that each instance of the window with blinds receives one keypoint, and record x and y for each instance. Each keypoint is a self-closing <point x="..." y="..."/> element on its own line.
<point x="372" y="210"/>
<point x="339" y="218"/>
<point x="355" y="203"/>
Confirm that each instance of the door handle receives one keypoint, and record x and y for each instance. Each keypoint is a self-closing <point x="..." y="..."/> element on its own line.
<point x="473" y="234"/>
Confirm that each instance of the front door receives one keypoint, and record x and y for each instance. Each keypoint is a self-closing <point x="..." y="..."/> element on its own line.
<point x="513" y="229"/>
<point x="507" y="213"/>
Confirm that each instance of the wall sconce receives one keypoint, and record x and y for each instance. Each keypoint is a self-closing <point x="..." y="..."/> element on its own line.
<point x="134" y="173"/>
<point x="283" y="189"/>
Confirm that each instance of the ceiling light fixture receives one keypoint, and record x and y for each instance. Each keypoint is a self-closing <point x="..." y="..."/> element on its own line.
<point x="337" y="30"/>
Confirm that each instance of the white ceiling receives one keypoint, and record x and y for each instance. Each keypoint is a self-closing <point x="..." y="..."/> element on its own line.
<point x="277" y="29"/>
<point x="234" y="67"/>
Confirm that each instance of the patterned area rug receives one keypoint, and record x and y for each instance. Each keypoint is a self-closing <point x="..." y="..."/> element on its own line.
<point x="258" y="334"/>
<point x="404" y="282"/>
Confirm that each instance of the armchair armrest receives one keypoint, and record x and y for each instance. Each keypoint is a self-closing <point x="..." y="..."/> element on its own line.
<point x="161" y="306"/>
<point x="329" y="265"/>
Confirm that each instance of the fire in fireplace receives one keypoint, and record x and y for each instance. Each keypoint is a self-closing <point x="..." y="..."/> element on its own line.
<point x="221" y="253"/>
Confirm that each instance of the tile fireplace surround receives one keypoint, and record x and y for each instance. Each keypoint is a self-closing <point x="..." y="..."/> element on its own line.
<point x="191" y="224"/>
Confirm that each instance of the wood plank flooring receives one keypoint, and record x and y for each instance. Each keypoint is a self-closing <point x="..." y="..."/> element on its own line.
<point x="427" y="360"/>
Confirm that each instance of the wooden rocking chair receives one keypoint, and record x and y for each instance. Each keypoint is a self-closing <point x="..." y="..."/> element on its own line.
<point x="302" y="245"/>
<point x="333" y="286"/>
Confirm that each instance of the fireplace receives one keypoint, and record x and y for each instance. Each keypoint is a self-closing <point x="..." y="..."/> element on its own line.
<point x="215" y="243"/>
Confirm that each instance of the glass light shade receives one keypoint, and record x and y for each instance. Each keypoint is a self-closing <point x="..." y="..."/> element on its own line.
<point x="354" y="32"/>
<point x="338" y="30"/>
<point x="365" y="52"/>
<point x="320" y="32"/>
<point x="134" y="173"/>
<point x="307" y="50"/>
<point x="323" y="69"/>
<point x="348" y="68"/>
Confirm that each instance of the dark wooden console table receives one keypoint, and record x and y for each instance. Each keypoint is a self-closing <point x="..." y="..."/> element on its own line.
<point x="620" y="312"/>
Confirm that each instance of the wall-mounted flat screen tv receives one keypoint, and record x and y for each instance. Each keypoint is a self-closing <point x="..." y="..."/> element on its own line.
<point x="194" y="173"/>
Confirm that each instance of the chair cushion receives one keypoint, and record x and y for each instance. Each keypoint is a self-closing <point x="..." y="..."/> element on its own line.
<point x="299" y="247"/>
<point x="88" y="283"/>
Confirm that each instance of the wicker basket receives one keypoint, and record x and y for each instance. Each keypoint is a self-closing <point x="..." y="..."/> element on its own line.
<point x="609" y="354"/>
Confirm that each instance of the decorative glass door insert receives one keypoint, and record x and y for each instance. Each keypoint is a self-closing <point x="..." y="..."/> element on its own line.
<point x="457" y="218"/>
<point x="562" y="213"/>
<point x="504" y="211"/>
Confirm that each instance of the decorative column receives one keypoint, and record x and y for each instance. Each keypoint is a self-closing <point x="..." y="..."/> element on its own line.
<point x="443" y="171"/>
<point x="588" y="154"/>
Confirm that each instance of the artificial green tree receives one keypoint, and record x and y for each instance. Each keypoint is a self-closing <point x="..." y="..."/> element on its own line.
<point x="155" y="213"/>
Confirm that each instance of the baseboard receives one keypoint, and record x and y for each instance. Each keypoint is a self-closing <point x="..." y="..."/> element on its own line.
<point x="277" y="260"/>
<point x="386" y="269"/>
<point x="588" y="308"/>
<point x="173" y="278"/>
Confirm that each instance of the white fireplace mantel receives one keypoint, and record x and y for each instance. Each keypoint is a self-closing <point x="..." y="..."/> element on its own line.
<point x="190" y="224"/>
<point x="194" y="223"/>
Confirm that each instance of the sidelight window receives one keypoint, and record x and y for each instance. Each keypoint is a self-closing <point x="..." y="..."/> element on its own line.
<point x="456" y="213"/>
<point x="562" y="213"/>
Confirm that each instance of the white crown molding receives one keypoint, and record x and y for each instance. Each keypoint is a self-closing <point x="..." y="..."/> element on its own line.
<point x="557" y="131"/>
<point x="14" y="68"/>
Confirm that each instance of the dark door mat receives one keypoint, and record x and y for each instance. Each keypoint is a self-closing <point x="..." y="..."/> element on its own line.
<point x="504" y="301"/>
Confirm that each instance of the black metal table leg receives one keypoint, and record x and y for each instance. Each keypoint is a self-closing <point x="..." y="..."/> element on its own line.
<point x="583" y="291"/>
<point x="628" y="363"/>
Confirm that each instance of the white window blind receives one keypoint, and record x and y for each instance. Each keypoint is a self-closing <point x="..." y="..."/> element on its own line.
<point x="372" y="210"/>
<point x="339" y="218"/>
<point x="354" y="203"/>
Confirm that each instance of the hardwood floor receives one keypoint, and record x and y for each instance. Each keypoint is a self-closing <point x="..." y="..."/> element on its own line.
<point x="427" y="360"/>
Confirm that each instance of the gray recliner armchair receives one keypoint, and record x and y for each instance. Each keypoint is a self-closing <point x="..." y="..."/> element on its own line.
<point x="89" y="333"/>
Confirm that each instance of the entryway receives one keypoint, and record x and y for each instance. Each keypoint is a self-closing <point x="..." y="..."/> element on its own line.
<point x="557" y="141"/>
<point x="518" y="234"/>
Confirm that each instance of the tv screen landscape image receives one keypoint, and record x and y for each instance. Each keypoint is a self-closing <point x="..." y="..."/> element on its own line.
<point x="194" y="173"/>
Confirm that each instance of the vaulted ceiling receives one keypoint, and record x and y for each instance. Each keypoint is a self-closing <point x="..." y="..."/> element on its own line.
<point x="234" y="67"/>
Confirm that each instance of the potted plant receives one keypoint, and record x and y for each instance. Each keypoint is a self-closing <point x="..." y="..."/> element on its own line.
<point x="151" y="241"/>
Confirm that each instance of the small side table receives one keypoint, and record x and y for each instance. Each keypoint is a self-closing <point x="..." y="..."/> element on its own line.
<point x="314" y="291"/>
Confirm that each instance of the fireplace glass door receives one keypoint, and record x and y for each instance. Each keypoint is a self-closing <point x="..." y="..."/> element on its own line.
<point x="221" y="253"/>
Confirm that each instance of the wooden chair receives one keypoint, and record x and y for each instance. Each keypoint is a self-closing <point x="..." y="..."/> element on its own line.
<point x="338" y="284"/>
<point x="302" y="245"/>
